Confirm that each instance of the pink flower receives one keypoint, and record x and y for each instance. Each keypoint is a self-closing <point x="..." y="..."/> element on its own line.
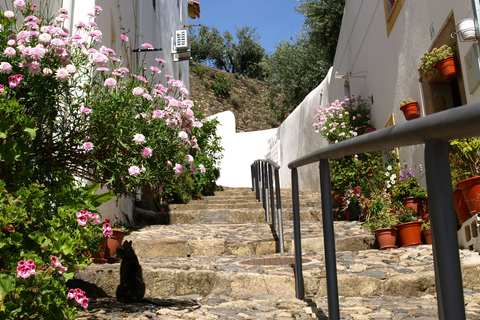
<point x="20" y="4"/>
<point x="47" y="71"/>
<point x="183" y="135"/>
<point x="157" y="114"/>
<point x="79" y="297"/>
<point x="110" y="82"/>
<point x="160" y="60"/>
<point x="13" y="81"/>
<point x="88" y="146"/>
<point x="134" y="171"/>
<point x="147" y="46"/>
<point x="97" y="8"/>
<point x="194" y="169"/>
<point x="58" y="264"/>
<point x="147" y="152"/>
<point x="99" y="59"/>
<point x="124" y="37"/>
<point x="179" y="169"/>
<point x="85" y="110"/>
<point x="202" y="168"/>
<point x="117" y="74"/>
<point x="155" y="69"/>
<point x="25" y="268"/>
<point x="122" y="69"/>
<point x="139" y="138"/>
<point x="189" y="158"/>
<point x="62" y="74"/>
<point x="5" y="67"/>
<point x="34" y="68"/>
<point x="10" y="52"/>
<point x="137" y="91"/>
<point x="107" y="230"/>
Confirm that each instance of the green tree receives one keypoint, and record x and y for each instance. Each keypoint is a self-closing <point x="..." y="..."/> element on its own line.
<point x="241" y="54"/>
<point x="298" y="66"/>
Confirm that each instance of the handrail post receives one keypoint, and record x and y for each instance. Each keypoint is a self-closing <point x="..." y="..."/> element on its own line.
<point x="299" y="289"/>
<point x="252" y="173"/>
<point x="272" y="199"/>
<point x="279" y="211"/>
<point x="448" y="273"/>
<point x="329" y="241"/>
<point x="260" y="182"/>
<point x="265" y="192"/>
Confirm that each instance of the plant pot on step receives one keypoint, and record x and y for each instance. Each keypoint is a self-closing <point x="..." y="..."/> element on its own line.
<point x="463" y="213"/>
<point x="112" y="243"/>
<point x="427" y="235"/>
<point x="471" y="193"/>
<point x="410" y="110"/>
<point x="386" y="238"/>
<point x="447" y="68"/>
<point x="410" y="233"/>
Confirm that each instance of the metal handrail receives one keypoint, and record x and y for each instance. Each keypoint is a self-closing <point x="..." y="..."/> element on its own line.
<point x="434" y="131"/>
<point x="262" y="184"/>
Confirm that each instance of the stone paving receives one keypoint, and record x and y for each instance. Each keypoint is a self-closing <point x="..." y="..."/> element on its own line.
<point x="212" y="278"/>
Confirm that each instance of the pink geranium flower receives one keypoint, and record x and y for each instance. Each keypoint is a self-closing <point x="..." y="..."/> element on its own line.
<point x="13" y="81"/>
<point x="25" y="268"/>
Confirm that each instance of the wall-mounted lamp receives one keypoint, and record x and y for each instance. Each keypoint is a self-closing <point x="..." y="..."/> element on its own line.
<point x="465" y="29"/>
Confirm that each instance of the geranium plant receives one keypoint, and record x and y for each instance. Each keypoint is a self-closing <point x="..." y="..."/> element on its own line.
<point x="408" y="186"/>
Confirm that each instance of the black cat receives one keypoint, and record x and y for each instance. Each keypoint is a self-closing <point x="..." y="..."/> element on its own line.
<point x="131" y="287"/>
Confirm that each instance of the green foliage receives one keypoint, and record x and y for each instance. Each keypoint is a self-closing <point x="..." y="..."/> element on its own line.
<point x="466" y="158"/>
<point x="221" y="87"/>
<point x="407" y="186"/>
<point x="242" y="57"/>
<point x="198" y="69"/>
<point x="406" y="215"/>
<point x="380" y="220"/>
<point x="430" y="59"/>
<point x="426" y="225"/>
<point x="31" y="229"/>
<point x="235" y="99"/>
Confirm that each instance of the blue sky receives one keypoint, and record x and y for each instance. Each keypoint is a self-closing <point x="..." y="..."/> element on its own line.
<point x="275" y="20"/>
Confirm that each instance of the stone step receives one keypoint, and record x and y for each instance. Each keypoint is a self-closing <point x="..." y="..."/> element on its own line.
<point x="235" y="203"/>
<point x="403" y="272"/>
<point x="238" y="215"/>
<point x="193" y="240"/>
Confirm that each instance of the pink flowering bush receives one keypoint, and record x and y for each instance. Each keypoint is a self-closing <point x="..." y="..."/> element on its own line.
<point x="70" y="108"/>
<point x="344" y="120"/>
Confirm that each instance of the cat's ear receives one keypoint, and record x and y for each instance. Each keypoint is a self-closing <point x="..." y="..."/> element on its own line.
<point x="130" y="243"/>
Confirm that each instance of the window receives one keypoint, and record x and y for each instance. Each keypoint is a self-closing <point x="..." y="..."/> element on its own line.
<point x="392" y="9"/>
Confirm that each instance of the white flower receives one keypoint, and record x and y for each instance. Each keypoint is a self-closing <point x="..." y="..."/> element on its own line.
<point x="139" y="138"/>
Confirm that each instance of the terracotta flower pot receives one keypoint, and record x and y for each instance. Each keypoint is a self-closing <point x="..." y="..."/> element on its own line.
<point x="410" y="233"/>
<point x="410" y="110"/>
<point x="427" y="234"/>
<point x="471" y="192"/>
<point x="386" y="238"/>
<point x="463" y="213"/>
<point x="112" y="243"/>
<point x="416" y="204"/>
<point x="447" y="68"/>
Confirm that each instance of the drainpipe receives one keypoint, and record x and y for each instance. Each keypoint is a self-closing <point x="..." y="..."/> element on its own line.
<point x="70" y="6"/>
<point x="476" y="16"/>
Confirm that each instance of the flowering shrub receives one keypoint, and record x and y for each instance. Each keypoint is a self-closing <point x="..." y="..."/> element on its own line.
<point x="68" y="107"/>
<point x="407" y="186"/>
<point x="343" y="120"/>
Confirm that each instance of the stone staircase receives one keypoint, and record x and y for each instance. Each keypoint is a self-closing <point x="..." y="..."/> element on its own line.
<point x="222" y="246"/>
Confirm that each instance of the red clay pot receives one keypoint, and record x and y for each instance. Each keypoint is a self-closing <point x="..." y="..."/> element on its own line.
<point x="416" y="204"/>
<point x="463" y="213"/>
<point x="386" y="238"/>
<point x="410" y="233"/>
<point x="112" y="244"/>
<point x="471" y="192"/>
<point x="447" y="68"/>
<point x="410" y="110"/>
<point x="427" y="235"/>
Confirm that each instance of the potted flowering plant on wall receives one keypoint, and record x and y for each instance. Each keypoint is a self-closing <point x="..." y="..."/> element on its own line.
<point x="409" y="228"/>
<point x="410" y="109"/>
<point x="441" y="59"/>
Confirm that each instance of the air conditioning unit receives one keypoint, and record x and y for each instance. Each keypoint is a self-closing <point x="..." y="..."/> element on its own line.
<point x="181" y="40"/>
<point x="181" y="46"/>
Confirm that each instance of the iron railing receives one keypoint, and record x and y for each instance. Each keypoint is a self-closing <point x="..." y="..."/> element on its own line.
<point x="434" y="131"/>
<point x="262" y="183"/>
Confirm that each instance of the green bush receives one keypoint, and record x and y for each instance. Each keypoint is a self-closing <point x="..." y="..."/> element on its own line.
<point x="221" y="87"/>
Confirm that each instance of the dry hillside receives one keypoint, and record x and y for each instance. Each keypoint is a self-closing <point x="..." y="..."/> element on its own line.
<point x="215" y="91"/>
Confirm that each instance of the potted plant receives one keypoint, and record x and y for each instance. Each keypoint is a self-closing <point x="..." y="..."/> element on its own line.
<point x="427" y="233"/>
<point x="466" y="166"/>
<point x="113" y="239"/>
<point x="441" y="59"/>
<point x="379" y="221"/>
<point x="410" y="109"/>
<point x="408" y="191"/>
<point x="408" y="227"/>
